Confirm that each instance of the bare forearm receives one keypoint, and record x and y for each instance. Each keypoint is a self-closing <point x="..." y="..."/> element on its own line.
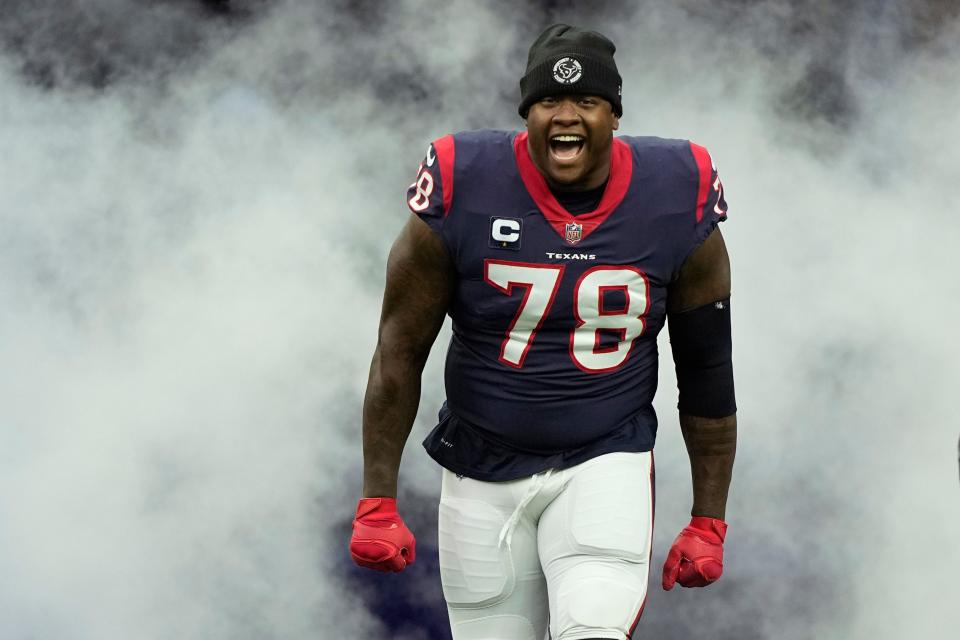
<point x="420" y="280"/>
<point x="711" y="445"/>
<point x="389" y="409"/>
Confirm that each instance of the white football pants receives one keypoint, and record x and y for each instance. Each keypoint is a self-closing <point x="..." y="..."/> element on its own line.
<point x="571" y="547"/>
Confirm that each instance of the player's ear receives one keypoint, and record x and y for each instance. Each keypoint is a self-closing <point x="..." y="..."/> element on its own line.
<point x="616" y="123"/>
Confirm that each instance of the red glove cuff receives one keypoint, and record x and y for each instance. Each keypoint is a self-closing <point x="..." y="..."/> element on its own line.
<point x="384" y="506"/>
<point x="712" y="530"/>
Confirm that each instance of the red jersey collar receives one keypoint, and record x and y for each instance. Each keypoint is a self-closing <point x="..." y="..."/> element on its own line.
<point x="562" y="221"/>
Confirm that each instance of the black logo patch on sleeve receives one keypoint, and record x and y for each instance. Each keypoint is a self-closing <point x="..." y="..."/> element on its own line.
<point x="505" y="233"/>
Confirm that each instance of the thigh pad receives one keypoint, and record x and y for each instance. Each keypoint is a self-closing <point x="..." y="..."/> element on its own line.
<point x="475" y="571"/>
<point x="610" y="513"/>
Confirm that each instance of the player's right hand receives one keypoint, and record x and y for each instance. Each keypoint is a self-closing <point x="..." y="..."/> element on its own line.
<point x="380" y="540"/>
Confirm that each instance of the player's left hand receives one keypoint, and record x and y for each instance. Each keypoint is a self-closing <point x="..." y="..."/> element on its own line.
<point x="696" y="557"/>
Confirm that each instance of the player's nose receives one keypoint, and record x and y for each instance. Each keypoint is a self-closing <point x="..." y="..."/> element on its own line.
<point x="566" y="112"/>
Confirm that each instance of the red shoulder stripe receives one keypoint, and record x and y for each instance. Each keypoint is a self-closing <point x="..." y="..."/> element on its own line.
<point x="705" y="166"/>
<point x="444" y="149"/>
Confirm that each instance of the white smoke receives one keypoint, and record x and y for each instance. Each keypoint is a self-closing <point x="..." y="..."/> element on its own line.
<point x="194" y="216"/>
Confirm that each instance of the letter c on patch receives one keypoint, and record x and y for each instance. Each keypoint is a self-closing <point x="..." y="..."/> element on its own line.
<point x="505" y="230"/>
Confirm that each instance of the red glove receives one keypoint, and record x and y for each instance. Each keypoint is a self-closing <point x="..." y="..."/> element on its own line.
<point x="696" y="557"/>
<point x="381" y="541"/>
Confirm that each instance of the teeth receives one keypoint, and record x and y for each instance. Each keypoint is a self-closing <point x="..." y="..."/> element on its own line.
<point x="566" y="139"/>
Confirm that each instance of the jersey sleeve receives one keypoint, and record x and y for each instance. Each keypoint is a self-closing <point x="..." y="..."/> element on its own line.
<point x="431" y="194"/>
<point x="711" y="207"/>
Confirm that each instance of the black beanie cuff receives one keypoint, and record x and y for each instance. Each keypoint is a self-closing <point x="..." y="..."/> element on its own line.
<point x="595" y="79"/>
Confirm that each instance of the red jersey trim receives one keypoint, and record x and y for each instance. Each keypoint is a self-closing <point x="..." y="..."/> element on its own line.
<point x="621" y="170"/>
<point x="444" y="149"/>
<point x="705" y="167"/>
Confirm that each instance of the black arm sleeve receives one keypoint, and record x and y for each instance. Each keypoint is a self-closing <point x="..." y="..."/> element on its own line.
<point x="701" y="344"/>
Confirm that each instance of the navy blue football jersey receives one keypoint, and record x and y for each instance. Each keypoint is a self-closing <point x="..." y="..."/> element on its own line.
<point x="553" y="357"/>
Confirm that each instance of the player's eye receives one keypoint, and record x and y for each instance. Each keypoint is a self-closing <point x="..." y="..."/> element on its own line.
<point x="588" y="102"/>
<point x="548" y="100"/>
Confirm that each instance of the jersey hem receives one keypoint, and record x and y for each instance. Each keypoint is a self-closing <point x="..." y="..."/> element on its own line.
<point x="507" y="463"/>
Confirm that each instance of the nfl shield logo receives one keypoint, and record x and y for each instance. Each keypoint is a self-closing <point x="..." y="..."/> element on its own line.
<point x="573" y="232"/>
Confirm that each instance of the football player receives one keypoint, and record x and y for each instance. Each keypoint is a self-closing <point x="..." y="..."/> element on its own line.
<point x="559" y="252"/>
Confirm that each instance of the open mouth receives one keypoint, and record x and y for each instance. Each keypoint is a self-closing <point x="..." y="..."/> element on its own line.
<point x="566" y="147"/>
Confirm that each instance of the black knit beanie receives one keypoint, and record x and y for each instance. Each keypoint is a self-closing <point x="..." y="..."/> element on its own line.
<point x="565" y="60"/>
